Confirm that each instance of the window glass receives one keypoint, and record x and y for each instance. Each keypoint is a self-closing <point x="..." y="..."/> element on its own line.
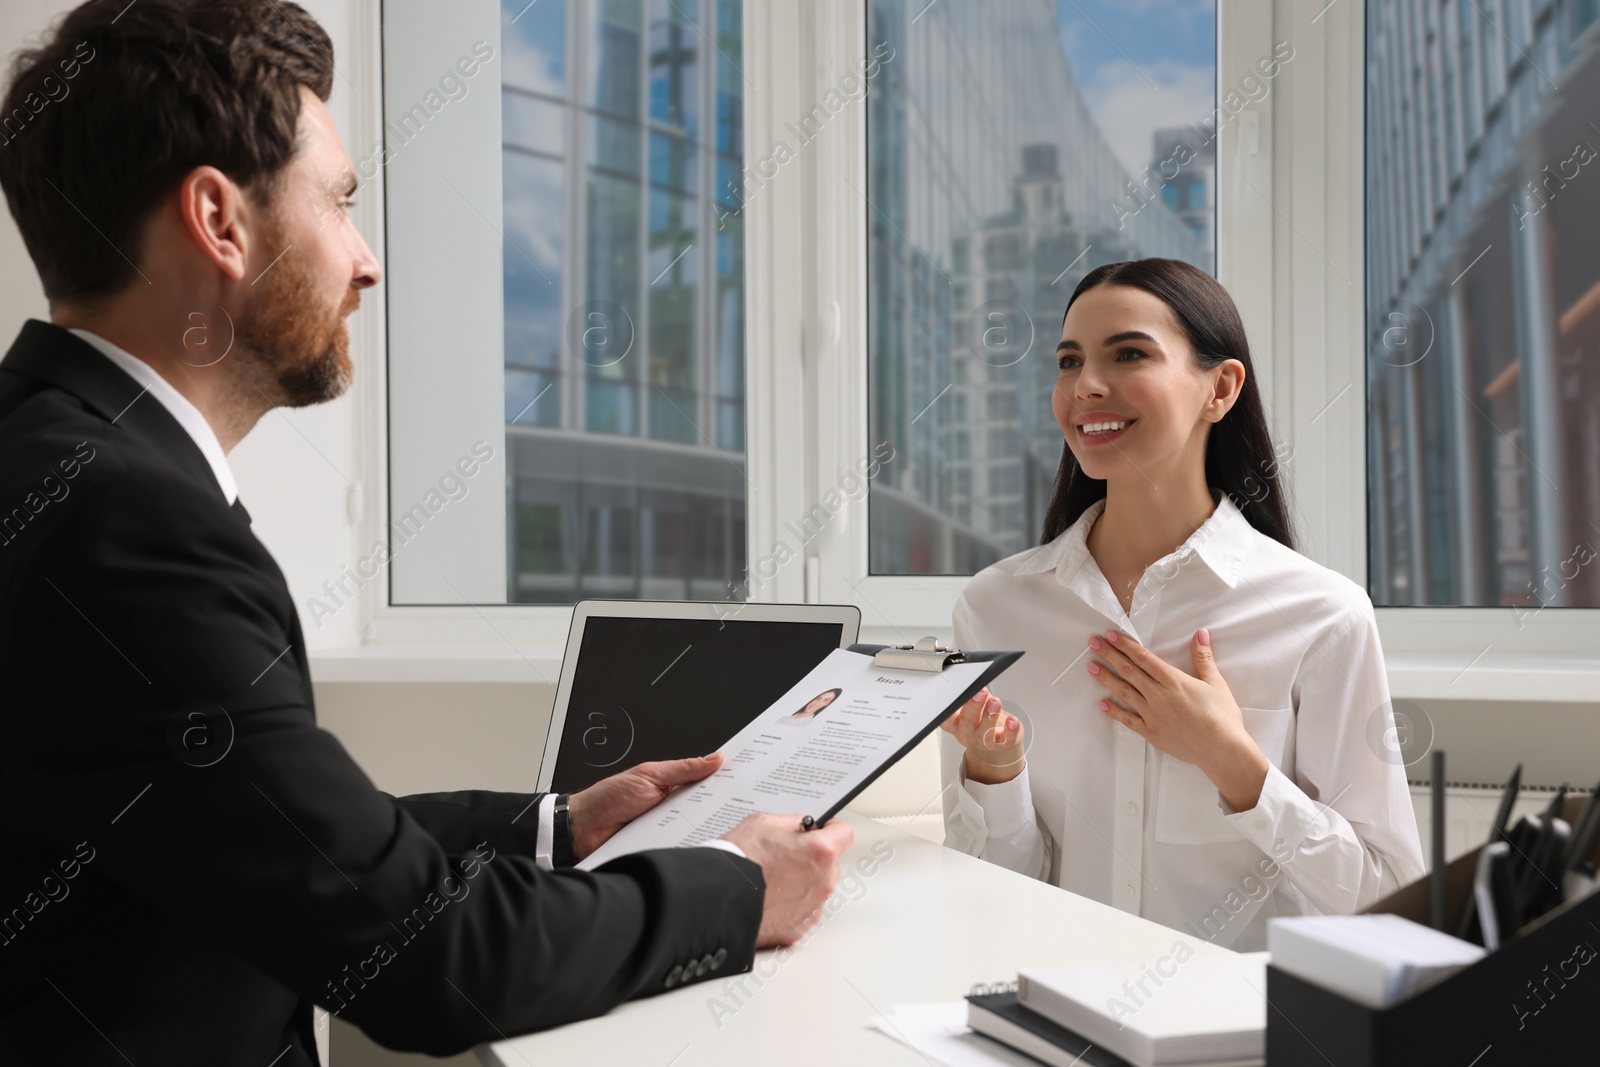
<point x="1012" y="146"/>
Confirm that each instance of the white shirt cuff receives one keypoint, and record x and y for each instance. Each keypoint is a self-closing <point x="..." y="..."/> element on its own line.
<point x="1282" y="818"/>
<point x="1007" y="806"/>
<point x="727" y="846"/>
<point x="545" y="840"/>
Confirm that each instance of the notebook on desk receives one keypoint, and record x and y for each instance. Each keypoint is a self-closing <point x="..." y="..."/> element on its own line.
<point x="1208" y="1010"/>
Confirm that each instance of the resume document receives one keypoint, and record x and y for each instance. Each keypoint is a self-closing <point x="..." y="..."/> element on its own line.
<point x="808" y="754"/>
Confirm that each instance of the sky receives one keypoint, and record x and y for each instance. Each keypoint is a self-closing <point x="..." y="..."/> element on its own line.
<point x="1141" y="64"/>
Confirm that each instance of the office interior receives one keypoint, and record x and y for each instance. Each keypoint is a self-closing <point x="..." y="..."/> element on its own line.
<point x="755" y="300"/>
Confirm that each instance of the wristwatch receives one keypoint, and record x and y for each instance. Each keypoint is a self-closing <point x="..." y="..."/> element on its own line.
<point x="562" y="852"/>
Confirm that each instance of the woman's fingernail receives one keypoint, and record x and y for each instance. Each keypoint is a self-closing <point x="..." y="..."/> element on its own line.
<point x="1094" y="643"/>
<point x="1094" y="668"/>
<point x="1104" y="706"/>
<point x="1111" y="635"/>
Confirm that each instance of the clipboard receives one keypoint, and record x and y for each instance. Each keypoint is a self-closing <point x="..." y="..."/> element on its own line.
<point x="680" y="820"/>
<point x="926" y="656"/>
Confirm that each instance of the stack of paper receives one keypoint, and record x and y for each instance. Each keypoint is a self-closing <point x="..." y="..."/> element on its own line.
<point x="1195" y="1010"/>
<point x="1376" y="960"/>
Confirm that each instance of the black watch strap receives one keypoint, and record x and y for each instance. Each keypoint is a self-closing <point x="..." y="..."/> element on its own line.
<point x="562" y="853"/>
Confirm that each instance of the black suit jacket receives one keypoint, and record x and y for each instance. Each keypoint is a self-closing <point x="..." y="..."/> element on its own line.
<point x="186" y="860"/>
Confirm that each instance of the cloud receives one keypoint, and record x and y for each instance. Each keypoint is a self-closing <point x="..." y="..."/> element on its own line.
<point x="535" y="203"/>
<point x="1129" y="109"/>
<point x="530" y="63"/>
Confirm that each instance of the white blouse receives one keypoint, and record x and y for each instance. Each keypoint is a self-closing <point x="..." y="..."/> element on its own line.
<point x="1101" y="812"/>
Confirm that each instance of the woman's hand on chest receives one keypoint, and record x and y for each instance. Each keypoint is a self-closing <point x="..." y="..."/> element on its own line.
<point x="1193" y="718"/>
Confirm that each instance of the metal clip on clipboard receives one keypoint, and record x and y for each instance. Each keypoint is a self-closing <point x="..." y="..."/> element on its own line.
<point x="926" y="655"/>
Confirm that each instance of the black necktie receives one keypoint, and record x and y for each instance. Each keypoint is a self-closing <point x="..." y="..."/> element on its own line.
<point x="238" y="506"/>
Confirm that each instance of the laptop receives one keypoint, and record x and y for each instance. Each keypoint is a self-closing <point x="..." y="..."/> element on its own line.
<point x="653" y="680"/>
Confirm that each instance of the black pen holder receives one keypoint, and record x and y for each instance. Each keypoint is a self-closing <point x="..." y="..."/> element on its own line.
<point x="1531" y="1001"/>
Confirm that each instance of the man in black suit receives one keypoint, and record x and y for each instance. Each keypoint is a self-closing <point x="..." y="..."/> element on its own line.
<point x="189" y="862"/>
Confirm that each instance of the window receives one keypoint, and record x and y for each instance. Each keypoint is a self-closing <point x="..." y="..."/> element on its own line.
<point x="1003" y="442"/>
<point x="615" y="242"/>
<point x="1003" y="480"/>
<point x="911" y="273"/>
<point x="1011" y="149"/>
<point x="1001" y="404"/>
<point x="1483" y="312"/>
<point x="629" y="481"/>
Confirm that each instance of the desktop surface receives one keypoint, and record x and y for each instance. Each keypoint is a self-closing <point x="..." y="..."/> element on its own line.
<point x="924" y="924"/>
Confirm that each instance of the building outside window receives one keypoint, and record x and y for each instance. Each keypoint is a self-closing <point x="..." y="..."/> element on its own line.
<point x="624" y="299"/>
<point x="1483" y="301"/>
<point x="1011" y="149"/>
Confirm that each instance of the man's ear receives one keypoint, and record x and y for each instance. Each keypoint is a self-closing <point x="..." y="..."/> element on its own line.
<point x="213" y="210"/>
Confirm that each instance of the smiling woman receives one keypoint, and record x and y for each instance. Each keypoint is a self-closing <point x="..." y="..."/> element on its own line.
<point x="1199" y="692"/>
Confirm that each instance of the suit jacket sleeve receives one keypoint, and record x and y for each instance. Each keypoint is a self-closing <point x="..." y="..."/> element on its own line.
<point x="163" y="713"/>
<point x="463" y="820"/>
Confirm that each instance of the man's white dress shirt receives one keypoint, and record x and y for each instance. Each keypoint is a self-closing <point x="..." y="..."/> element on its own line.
<point x="1101" y="812"/>
<point x="178" y="406"/>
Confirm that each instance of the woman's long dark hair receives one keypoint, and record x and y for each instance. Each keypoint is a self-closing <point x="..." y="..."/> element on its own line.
<point x="1240" y="459"/>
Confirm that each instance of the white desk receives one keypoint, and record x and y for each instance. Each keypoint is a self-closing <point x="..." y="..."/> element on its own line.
<point x="926" y="925"/>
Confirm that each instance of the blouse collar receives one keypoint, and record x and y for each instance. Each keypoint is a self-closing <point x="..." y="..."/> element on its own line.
<point x="1222" y="543"/>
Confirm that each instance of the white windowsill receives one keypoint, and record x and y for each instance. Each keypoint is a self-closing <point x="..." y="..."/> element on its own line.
<point x="1434" y="676"/>
<point x="435" y="663"/>
<point x="1412" y="676"/>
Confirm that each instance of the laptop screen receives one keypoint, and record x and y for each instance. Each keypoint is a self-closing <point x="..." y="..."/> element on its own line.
<point x="653" y="689"/>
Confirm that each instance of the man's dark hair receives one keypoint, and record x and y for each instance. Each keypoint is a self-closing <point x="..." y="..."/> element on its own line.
<point x="103" y="119"/>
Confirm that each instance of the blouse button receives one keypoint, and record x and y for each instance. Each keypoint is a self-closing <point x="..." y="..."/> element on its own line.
<point x="1132" y="808"/>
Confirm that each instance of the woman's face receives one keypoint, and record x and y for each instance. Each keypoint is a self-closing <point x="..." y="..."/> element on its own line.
<point x="819" y="702"/>
<point x="1125" y="361"/>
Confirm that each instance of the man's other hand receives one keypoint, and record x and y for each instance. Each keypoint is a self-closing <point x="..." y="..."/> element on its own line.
<point x="612" y="803"/>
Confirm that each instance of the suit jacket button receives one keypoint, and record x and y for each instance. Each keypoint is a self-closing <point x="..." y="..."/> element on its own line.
<point x="716" y="961"/>
<point x="673" y="976"/>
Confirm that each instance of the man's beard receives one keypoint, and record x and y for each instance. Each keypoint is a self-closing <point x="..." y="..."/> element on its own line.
<point x="298" y="346"/>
